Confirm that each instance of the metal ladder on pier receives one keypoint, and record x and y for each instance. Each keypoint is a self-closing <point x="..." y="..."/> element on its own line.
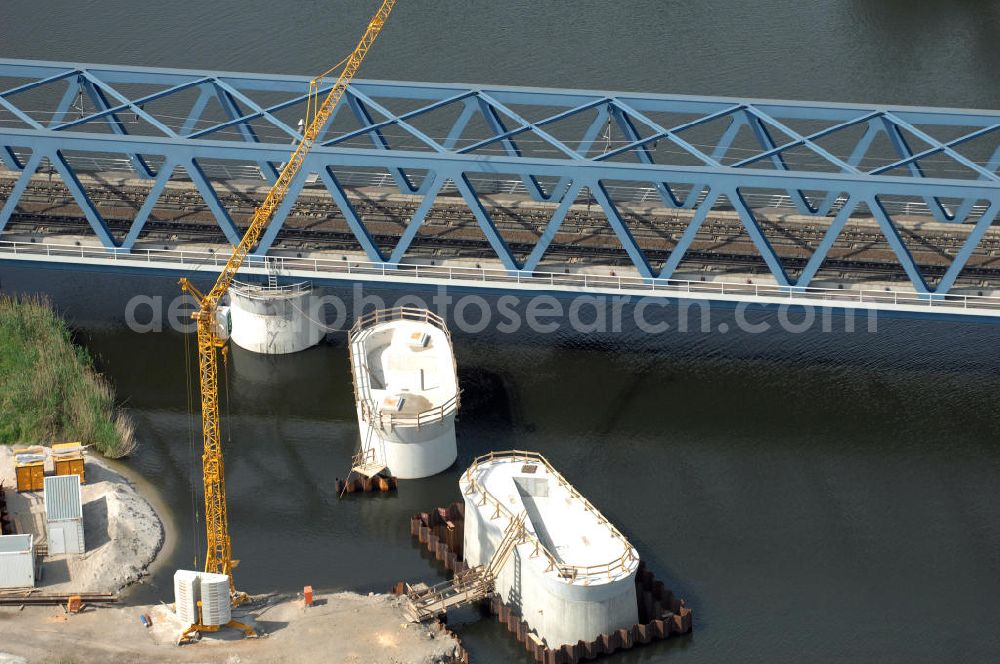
<point x="272" y="272"/>
<point x="469" y="587"/>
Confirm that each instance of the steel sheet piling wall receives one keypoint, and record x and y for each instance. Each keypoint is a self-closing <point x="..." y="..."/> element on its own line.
<point x="661" y="614"/>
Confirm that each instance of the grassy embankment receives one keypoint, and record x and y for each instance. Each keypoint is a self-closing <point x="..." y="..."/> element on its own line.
<point x="49" y="390"/>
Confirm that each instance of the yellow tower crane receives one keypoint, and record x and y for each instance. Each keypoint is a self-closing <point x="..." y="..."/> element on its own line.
<point x="218" y="558"/>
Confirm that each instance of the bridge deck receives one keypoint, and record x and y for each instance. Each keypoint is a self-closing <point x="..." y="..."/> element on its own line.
<point x="326" y="269"/>
<point x="860" y="253"/>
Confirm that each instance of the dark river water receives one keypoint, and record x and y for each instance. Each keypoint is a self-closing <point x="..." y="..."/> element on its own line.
<point x="820" y="496"/>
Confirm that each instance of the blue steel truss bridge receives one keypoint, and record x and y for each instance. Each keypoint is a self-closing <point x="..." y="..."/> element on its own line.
<point x="113" y="167"/>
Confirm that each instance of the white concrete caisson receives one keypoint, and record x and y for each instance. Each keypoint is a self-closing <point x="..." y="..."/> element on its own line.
<point x="273" y="319"/>
<point x="571" y="575"/>
<point x="406" y="391"/>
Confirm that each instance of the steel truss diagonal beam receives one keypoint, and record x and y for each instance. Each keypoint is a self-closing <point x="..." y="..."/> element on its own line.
<point x="229" y="105"/>
<point x="832" y="232"/>
<point x="97" y="96"/>
<point x="641" y="149"/>
<point x="552" y="227"/>
<point x="971" y="242"/>
<point x="278" y="220"/>
<point x="9" y="159"/>
<point x="211" y="199"/>
<point x="896" y="242"/>
<point x="601" y="119"/>
<point x="357" y="226"/>
<point x="496" y="124"/>
<point x="621" y="229"/>
<point x="842" y="172"/>
<point x="19" y="187"/>
<point x="962" y="213"/>
<point x="430" y="195"/>
<point x="767" y="143"/>
<point x="684" y="243"/>
<point x="72" y="183"/>
<point x="378" y="140"/>
<point x="760" y="240"/>
<point x="142" y="216"/>
<point x="482" y="216"/>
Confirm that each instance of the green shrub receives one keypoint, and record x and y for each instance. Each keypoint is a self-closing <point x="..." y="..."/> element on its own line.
<point x="49" y="390"/>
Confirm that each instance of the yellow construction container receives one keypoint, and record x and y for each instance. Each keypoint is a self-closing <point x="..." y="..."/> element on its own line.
<point x="29" y="469"/>
<point x="67" y="459"/>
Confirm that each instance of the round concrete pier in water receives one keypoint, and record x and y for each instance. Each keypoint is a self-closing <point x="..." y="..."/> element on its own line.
<point x="406" y="391"/>
<point x="274" y="319"/>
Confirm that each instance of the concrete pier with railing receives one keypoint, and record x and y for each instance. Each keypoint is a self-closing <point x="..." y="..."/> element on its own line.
<point x="571" y="574"/>
<point x="406" y="391"/>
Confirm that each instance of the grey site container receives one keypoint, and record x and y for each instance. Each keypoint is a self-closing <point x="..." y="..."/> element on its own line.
<point x="17" y="561"/>
<point x="64" y="514"/>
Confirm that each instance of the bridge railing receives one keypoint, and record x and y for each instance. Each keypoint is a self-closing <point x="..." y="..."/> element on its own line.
<point x="479" y="276"/>
<point x="416" y="314"/>
<point x="387" y="420"/>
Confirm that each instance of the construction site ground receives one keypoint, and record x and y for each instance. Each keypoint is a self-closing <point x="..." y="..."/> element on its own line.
<point x="339" y="628"/>
<point x="122" y="531"/>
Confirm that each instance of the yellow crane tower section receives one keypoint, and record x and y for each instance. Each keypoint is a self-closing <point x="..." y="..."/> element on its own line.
<point x="218" y="558"/>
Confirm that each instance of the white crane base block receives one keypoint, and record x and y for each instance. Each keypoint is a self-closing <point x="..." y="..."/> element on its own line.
<point x="216" y="607"/>
<point x="274" y="320"/>
<point x="406" y="391"/>
<point x="212" y="590"/>
<point x="186" y="589"/>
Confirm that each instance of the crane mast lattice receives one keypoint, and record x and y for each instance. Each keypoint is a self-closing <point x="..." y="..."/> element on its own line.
<point x="218" y="558"/>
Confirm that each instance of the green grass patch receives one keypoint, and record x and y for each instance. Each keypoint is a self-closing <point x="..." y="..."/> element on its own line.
<point x="49" y="390"/>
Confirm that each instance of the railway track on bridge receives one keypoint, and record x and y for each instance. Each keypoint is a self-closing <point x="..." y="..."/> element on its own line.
<point x="450" y="231"/>
<point x="442" y="247"/>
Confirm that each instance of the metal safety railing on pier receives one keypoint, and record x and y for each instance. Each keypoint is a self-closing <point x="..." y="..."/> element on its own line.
<point x="266" y="291"/>
<point x="388" y="420"/>
<point x="361" y="376"/>
<point x="318" y="268"/>
<point x="416" y="314"/>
